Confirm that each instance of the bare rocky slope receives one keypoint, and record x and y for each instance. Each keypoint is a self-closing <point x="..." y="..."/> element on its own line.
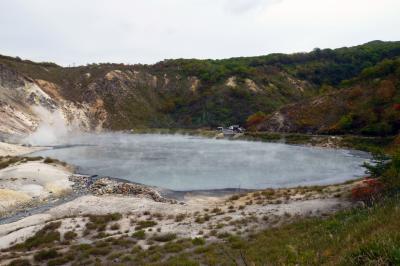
<point x="180" y="93"/>
<point x="25" y="102"/>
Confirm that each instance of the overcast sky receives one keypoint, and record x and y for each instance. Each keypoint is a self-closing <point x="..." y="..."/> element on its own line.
<point x="147" y="31"/>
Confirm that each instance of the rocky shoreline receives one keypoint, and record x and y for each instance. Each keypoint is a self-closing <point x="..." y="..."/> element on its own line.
<point x="109" y="186"/>
<point x="86" y="185"/>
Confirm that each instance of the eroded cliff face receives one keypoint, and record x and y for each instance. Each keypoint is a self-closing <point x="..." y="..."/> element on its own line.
<point x="118" y="97"/>
<point x="113" y="98"/>
<point x="16" y="96"/>
<point x="24" y="102"/>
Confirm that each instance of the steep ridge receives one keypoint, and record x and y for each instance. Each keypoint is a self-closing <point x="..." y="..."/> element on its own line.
<point x="184" y="93"/>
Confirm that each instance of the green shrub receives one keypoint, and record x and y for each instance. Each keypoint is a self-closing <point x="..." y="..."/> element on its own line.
<point x="223" y="235"/>
<point x="20" y="262"/>
<point x="46" y="254"/>
<point x="105" y="218"/>
<point x="377" y="129"/>
<point x="198" y="241"/>
<point x="384" y="253"/>
<point x="36" y="158"/>
<point x="115" y="226"/>
<point x="387" y="169"/>
<point x="164" y="237"/>
<point x="82" y="247"/>
<point x="236" y="242"/>
<point x="234" y="197"/>
<point x="127" y="258"/>
<point x="345" y="122"/>
<point x="101" y="235"/>
<point x="55" y="161"/>
<point x="99" y="251"/>
<point x="391" y="177"/>
<point x="380" y="164"/>
<point x="9" y="160"/>
<point x="180" y="217"/>
<point x="115" y="255"/>
<point x="145" y="224"/>
<point x="173" y="247"/>
<point x="182" y="260"/>
<point x="202" y="219"/>
<point x="61" y="261"/>
<point x="141" y="234"/>
<point x="123" y="242"/>
<point x="49" y="160"/>
<point x="52" y="226"/>
<point x="43" y="237"/>
<point x="99" y="222"/>
<point x="70" y="235"/>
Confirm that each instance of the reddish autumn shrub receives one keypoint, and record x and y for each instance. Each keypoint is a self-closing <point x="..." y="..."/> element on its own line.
<point x="368" y="191"/>
<point x="255" y="119"/>
<point x="396" y="106"/>
<point x="356" y="93"/>
<point x="386" y="90"/>
<point x="396" y="142"/>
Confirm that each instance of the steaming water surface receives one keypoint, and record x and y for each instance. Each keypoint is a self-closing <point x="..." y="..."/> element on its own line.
<point x="193" y="163"/>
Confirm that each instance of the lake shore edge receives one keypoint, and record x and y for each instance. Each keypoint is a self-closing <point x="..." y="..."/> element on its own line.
<point x="194" y="215"/>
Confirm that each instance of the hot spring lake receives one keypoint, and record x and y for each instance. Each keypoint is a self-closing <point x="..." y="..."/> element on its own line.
<point x="184" y="163"/>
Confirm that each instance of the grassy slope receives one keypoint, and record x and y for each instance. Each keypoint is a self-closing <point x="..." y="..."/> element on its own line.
<point x="369" y="236"/>
<point x="362" y="236"/>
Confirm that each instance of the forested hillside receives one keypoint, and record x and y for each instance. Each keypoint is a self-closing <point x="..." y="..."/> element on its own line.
<point x="368" y="104"/>
<point x="190" y="93"/>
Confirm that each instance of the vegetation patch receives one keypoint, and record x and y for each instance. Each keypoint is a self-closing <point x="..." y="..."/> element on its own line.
<point x="20" y="262"/>
<point x="6" y="161"/>
<point x="198" y="241"/>
<point x="99" y="222"/>
<point x="46" y="254"/>
<point x="145" y="224"/>
<point x="64" y="259"/>
<point x="44" y="237"/>
<point x="70" y="235"/>
<point x="49" y="160"/>
<point x="164" y="237"/>
<point x="141" y="234"/>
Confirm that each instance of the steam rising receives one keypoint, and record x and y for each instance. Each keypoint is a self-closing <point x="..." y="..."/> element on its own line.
<point x="192" y="163"/>
<point x="53" y="128"/>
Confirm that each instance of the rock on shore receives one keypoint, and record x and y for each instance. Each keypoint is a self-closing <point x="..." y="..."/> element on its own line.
<point x="107" y="186"/>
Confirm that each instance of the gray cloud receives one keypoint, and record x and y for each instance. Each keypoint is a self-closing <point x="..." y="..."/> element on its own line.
<point x="243" y="6"/>
<point x="146" y="31"/>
